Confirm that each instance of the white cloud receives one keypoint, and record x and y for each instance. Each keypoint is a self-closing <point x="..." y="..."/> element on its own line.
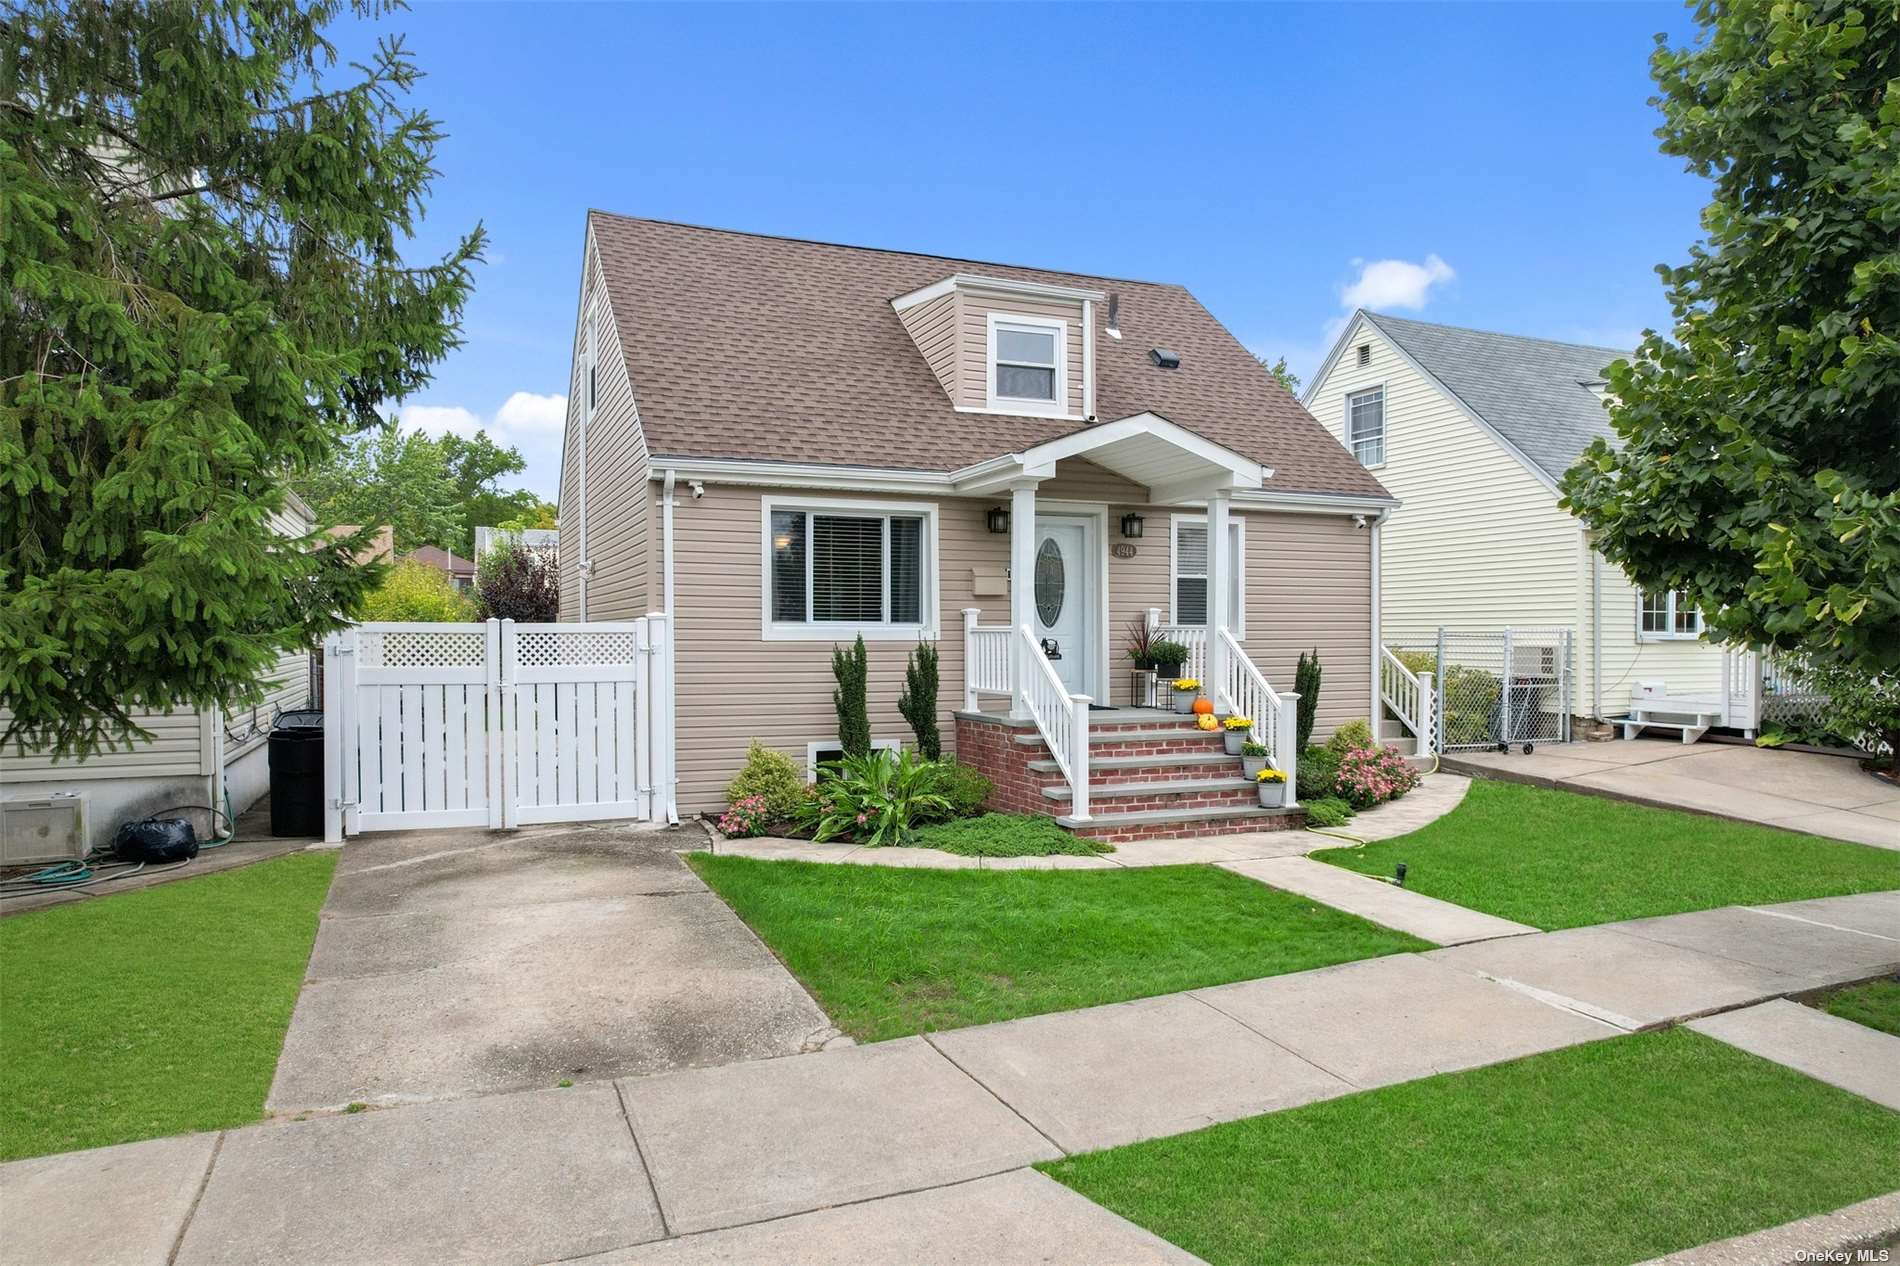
<point x="438" y="419"/>
<point x="527" y="412"/>
<point x="1396" y="283"/>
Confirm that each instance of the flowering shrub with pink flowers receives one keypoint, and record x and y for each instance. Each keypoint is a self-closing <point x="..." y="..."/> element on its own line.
<point x="744" y="818"/>
<point x="1373" y="775"/>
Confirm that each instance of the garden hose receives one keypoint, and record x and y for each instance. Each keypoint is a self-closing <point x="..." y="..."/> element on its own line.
<point x="1355" y="842"/>
<point x="94" y="868"/>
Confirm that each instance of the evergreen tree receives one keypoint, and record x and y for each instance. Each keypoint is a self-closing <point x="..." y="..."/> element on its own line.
<point x="1306" y="676"/>
<point x="918" y="703"/>
<point x="201" y="230"/>
<point x="852" y="669"/>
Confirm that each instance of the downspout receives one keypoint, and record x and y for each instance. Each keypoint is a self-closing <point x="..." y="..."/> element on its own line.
<point x="582" y="566"/>
<point x="672" y="641"/>
<point x="1596" y="632"/>
<point x="1377" y="714"/>
<point x="1088" y="360"/>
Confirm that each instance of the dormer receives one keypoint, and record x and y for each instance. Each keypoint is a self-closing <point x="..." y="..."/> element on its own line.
<point x="999" y="345"/>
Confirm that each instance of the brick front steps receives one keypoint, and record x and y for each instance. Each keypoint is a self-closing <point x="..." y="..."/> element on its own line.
<point x="1152" y="776"/>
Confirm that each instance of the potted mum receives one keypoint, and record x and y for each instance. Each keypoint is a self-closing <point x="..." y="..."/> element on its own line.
<point x="1253" y="758"/>
<point x="1272" y="784"/>
<point x="1237" y="730"/>
<point x="1186" y="691"/>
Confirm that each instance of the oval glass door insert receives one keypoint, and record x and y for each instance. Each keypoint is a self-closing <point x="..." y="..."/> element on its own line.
<point x="1051" y="581"/>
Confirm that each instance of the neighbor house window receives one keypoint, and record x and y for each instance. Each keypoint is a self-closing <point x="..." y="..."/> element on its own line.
<point x="833" y="567"/>
<point x="1026" y="363"/>
<point x="1365" y="425"/>
<point x="1191" y="569"/>
<point x="1667" y="615"/>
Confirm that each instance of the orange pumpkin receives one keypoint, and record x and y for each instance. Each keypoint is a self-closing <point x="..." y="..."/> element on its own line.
<point x="1204" y="707"/>
<point x="1207" y="722"/>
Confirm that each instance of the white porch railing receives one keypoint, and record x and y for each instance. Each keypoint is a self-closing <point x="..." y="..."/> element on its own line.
<point x="1761" y="689"/>
<point x="1192" y="636"/>
<point x="1274" y="715"/>
<point x="1061" y="718"/>
<point x="985" y="658"/>
<point x="1410" y="697"/>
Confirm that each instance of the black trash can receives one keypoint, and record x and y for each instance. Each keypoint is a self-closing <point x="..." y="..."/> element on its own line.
<point x="296" y="774"/>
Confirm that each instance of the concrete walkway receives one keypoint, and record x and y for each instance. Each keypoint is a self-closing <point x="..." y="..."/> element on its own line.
<point x="1798" y="791"/>
<point x="1388" y="905"/>
<point x="875" y="1145"/>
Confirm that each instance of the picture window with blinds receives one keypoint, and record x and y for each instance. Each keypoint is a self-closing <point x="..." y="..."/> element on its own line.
<point x="1191" y="566"/>
<point x="1026" y="364"/>
<point x="845" y="567"/>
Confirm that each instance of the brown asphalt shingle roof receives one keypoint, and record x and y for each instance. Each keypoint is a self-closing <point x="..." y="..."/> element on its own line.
<point x="745" y="346"/>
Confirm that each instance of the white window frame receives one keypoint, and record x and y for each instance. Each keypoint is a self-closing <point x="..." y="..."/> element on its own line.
<point x="833" y="745"/>
<point x="1028" y="324"/>
<point x="1669" y="608"/>
<point x="1385" y="425"/>
<point x="1238" y="524"/>
<point x="925" y="629"/>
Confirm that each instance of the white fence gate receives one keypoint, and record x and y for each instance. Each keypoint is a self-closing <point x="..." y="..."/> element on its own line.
<point x="497" y="724"/>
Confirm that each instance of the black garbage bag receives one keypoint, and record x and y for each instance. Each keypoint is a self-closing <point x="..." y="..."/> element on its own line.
<point x="156" y="840"/>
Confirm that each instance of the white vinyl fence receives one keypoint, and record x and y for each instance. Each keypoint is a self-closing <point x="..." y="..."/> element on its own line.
<point x="497" y="724"/>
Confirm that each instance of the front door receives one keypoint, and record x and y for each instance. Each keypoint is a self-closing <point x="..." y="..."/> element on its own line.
<point x="1065" y="598"/>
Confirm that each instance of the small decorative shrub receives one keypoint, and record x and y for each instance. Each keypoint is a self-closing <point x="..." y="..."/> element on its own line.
<point x="1317" y="773"/>
<point x="1253" y="751"/>
<point x="516" y="583"/>
<point x="413" y="590"/>
<point x="769" y="776"/>
<point x="1328" y="811"/>
<point x="1370" y="776"/>
<point x="876" y="799"/>
<point x="918" y="703"/>
<point x="1352" y="736"/>
<point x="852" y="668"/>
<point x="1167" y="656"/>
<point x="744" y="818"/>
<point x="1306" y="682"/>
<point x="1141" y="642"/>
<point x="965" y="789"/>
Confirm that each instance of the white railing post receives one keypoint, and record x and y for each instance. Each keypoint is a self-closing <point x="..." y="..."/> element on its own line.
<point x="970" y="617"/>
<point x="1079" y="758"/>
<point x="1022" y="590"/>
<point x="1427" y="731"/>
<point x="333" y="722"/>
<point x="509" y="787"/>
<point x="496" y="747"/>
<point x="1220" y="566"/>
<point x="1284" y="743"/>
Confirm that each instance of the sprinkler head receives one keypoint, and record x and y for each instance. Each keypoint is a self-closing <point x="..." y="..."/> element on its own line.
<point x="1399" y="875"/>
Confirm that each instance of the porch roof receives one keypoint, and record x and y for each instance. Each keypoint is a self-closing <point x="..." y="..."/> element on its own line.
<point x="1172" y="462"/>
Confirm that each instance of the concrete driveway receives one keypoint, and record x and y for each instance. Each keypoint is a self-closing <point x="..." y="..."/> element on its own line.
<point x="451" y="963"/>
<point x="1801" y="791"/>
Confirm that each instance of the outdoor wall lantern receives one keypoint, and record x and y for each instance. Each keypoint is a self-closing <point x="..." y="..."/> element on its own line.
<point x="998" y="521"/>
<point x="1131" y="526"/>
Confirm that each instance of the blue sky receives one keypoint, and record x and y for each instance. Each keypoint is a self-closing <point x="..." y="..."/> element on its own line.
<point x="1491" y="166"/>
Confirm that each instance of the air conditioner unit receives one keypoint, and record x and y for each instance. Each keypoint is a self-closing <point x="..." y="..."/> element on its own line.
<point x="43" y="829"/>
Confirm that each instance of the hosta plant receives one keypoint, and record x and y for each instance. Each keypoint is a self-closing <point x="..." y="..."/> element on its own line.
<point x="877" y="799"/>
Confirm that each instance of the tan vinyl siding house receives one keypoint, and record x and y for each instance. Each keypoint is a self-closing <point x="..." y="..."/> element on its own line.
<point x="737" y="347"/>
<point x="1478" y="428"/>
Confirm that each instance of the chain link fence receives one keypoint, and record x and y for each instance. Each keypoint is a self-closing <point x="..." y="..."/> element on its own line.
<point x="1498" y="688"/>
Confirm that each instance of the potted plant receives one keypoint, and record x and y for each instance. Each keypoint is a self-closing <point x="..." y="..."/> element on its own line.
<point x="1272" y="784"/>
<point x="1141" y="640"/>
<point x="1186" y="691"/>
<point x="1253" y="757"/>
<point x="1237" y="730"/>
<point x="1167" y="657"/>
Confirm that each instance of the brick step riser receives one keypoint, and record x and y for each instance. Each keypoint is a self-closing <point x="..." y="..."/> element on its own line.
<point x="1158" y="773"/>
<point x="1187" y="745"/>
<point x="1141" y="802"/>
<point x="1105" y="829"/>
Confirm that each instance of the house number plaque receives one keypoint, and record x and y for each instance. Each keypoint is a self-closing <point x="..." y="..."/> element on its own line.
<point x="1122" y="549"/>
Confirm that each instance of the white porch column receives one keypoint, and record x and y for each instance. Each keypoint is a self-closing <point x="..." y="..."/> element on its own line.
<point x="1220" y="586"/>
<point x="1022" y="591"/>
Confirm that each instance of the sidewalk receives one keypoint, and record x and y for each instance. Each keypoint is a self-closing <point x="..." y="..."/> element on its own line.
<point x="871" y="1145"/>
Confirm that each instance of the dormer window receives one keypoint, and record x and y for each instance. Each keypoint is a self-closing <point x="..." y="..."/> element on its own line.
<point x="1026" y="364"/>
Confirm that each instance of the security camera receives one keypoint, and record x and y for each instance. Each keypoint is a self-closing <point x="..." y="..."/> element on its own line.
<point x="698" y="489"/>
<point x="1359" y="521"/>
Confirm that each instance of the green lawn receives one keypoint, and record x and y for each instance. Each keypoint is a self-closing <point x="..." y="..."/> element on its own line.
<point x="889" y="952"/>
<point x="1612" y="1152"/>
<point x="1006" y="835"/>
<point x="1875" y="1004"/>
<point x="152" y="1012"/>
<point x="1555" y="859"/>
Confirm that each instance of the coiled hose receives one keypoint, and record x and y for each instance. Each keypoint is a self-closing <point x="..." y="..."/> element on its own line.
<point x="97" y="867"/>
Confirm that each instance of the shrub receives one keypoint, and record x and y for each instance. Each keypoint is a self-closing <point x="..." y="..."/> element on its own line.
<point x="1373" y="775"/>
<point x="1468" y="698"/>
<point x="414" y="590"/>
<point x="745" y="818"/>
<point x="514" y="583"/>
<point x="1352" y="736"/>
<point x="771" y="777"/>
<point x="1306" y="682"/>
<point x="1328" y="811"/>
<point x="1253" y="750"/>
<point x="875" y="799"/>
<point x="965" y="789"/>
<point x="851" y="669"/>
<point x="1168" y="657"/>
<point x="918" y="703"/>
<point x="1317" y="773"/>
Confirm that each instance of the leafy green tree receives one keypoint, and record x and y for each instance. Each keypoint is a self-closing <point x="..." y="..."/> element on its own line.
<point x="391" y="477"/>
<point x="201" y="227"/>
<point x="476" y="465"/>
<point x="413" y="590"/>
<point x="1288" y="379"/>
<point x="1758" y="460"/>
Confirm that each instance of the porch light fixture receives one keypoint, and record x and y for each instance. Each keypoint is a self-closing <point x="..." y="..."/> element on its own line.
<point x="1131" y="526"/>
<point x="998" y="519"/>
